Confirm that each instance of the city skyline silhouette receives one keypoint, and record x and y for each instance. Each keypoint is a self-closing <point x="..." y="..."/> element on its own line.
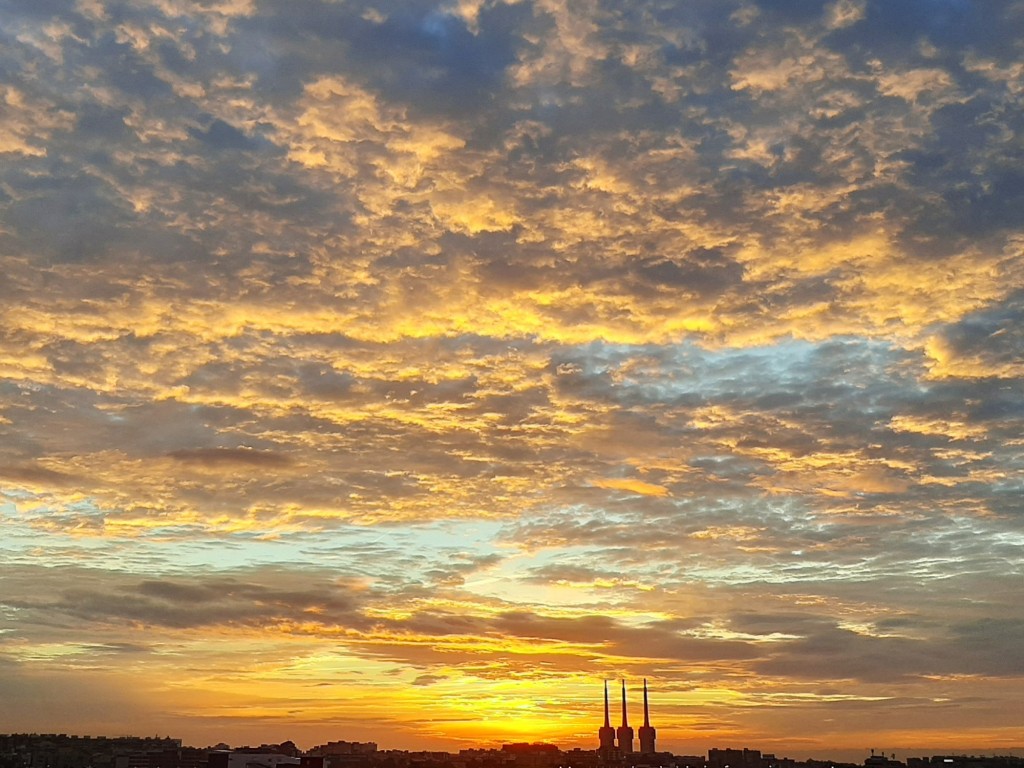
<point x="398" y="371"/>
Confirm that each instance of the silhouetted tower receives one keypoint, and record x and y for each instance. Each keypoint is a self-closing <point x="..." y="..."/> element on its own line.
<point x="606" y="734"/>
<point x="646" y="733"/>
<point x="624" y="732"/>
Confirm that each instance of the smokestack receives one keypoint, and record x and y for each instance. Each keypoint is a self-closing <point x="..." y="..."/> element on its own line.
<point x="647" y="714"/>
<point x="607" y="723"/>
<point x="624" y="732"/>
<point x="606" y="734"/>
<point x="624" y="723"/>
<point x="647" y="734"/>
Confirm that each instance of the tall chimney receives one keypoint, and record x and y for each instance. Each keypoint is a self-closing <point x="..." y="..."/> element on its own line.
<point x="624" y="732"/>
<point x="646" y="733"/>
<point x="606" y="734"/>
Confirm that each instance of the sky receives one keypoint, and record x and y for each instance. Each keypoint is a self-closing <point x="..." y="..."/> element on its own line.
<point x="400" y="371"/>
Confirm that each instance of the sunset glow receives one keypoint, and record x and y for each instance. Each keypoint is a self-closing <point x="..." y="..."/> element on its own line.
<point x="400" y="371"/>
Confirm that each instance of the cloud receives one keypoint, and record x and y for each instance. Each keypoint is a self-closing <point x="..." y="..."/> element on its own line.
<point x="229" y="456"/>
<point x="983" y="344"/>
<point x="110" y="599"/>
<point x="631" y="486"/>
<point x="427" y="680"/>
<point x="835" y="653"/>
<point x="221" y="135"/>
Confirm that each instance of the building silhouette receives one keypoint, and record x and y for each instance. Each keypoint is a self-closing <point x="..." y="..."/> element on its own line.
<point x="734" y="758"/>
<point x="616" y="744"/>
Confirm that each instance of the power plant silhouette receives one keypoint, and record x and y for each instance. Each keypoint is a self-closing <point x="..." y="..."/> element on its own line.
<point x="616" y="742"/>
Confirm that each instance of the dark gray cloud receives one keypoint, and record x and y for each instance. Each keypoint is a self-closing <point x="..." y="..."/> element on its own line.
<point x="230" y="456"/>
<point x="97" y="599"/>
<point x="981" y="648"/>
